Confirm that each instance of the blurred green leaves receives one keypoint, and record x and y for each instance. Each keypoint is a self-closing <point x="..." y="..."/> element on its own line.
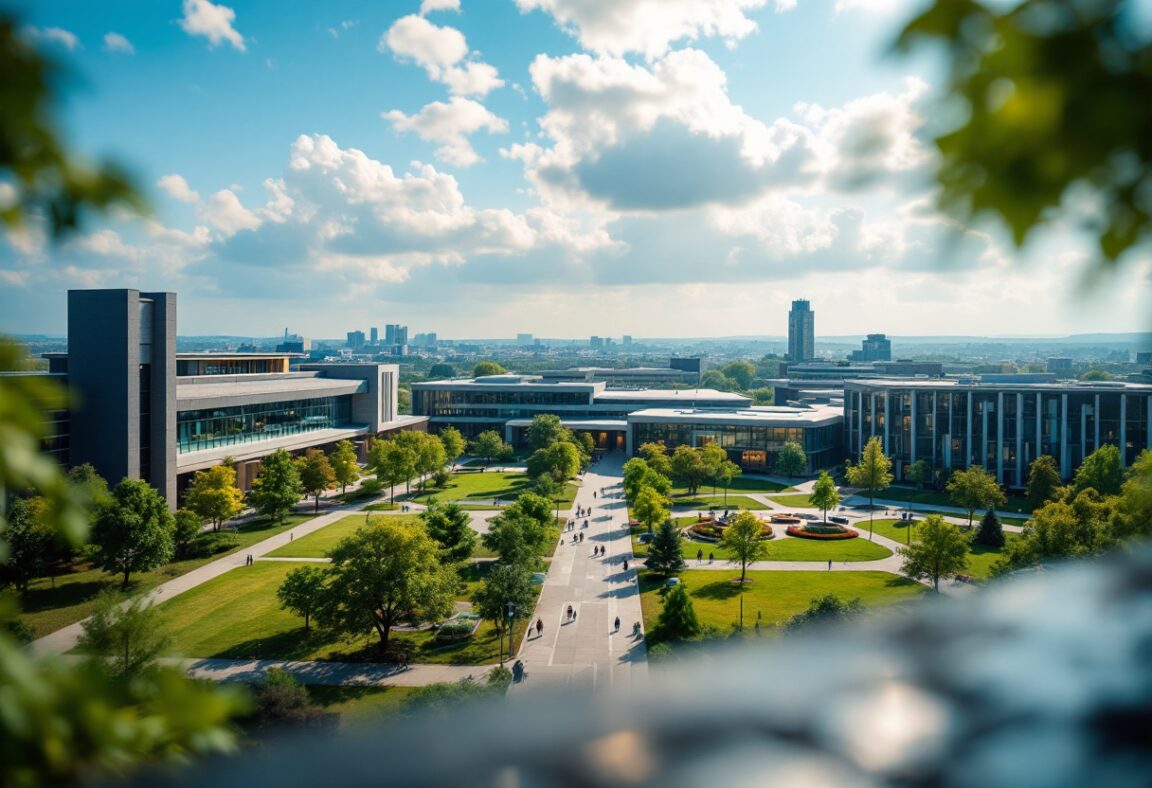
<point x="1055" y="95"/>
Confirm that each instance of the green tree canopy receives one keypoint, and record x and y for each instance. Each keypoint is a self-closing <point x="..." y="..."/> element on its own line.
<point x="302" y="592"/>
<point x="453" y="442"/>
<point x="825" y="610"/>
<point x="134" y="532"/>
<point x="546" y="431"/>
<point x="185" y="529"/>
<point x="1101" y="470"/>
<point x="277" y="489"/>
<point x="384" y="573"/>
<point x="1134" y="510"/>
<point x="791" y="460"/>
<point x="920" y="473"/>
<point x="214" y="496"/>
<point x="561" y="461"/>
<point x="1043" y="480"/>
<point x="517" y="538"/>
<point x="873" y="473"/>
<point x="450" y="527"/>
<point x="393" y="463"/>
<point x="742" y="539"/>
<point x="650" y="508"/>
<point x="656" y="455"/>
<point x="724" y="474"/>
<point x="504" y="584"/>
<point x="441" y="371"/>
<point x="991" y="532"/>
<point x="488" y="444"/>
<point x="664" y="556"/>
<point x="345" y="464"/>
<point x="316" y="474"/>
<point x="688" y="468"/>
<point x="974" y="488"/>
<point x="678" y="619"/>
<point x="30" y="539"/>
<point x="940" y="552"/>
<point x="128" y="636"/>
<point x="485" y="368"/>
<point x="824" y="494"/>
<point x="741" y="373"/>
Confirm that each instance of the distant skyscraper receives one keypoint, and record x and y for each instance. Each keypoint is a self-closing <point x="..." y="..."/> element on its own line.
<point x="355" y="339"/>
<point x="875" y="347"/>
<point x="375" y="334"/>
<point x="596" y="342"/>
<point x="523" y="339"/>
<point x="627" y="341"/>
<point x="801" y="332"/>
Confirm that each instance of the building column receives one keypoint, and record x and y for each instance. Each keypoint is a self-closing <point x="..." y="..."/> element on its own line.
<point x="1065" y="472"/>
<point x="1019" y="440"/>
<point x="872" y="424"/>
<point x="936" y="429"/>
<point x="1039" y="425"/>
<point x="1123" y="430"/>
<point x="887" y="420"/>
<point x="1000" y="437"/>
<point x="968" y="435"/>
<point x="912" y="454"/>
<point x="1096" y="423"/>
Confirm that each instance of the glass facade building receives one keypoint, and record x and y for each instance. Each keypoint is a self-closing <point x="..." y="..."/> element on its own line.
<point x="197" y="430"/>
<point x="752" y="447"/>
<point x="1001" y="427"/>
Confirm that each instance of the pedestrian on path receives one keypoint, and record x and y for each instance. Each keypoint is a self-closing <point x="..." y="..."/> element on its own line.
<point x="625" y="564"/>
<point x="699" y="556"/>
<point x="539" y="628"/>
<point x="711" y="557"/>
<point x="616" y="624"/>
<point x="568" y="614"/>
<point x="829" y="564"/>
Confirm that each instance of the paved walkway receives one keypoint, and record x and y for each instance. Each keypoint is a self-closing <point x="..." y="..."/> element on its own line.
<point x="331" y="673"/>
<point x="587" y="651"/>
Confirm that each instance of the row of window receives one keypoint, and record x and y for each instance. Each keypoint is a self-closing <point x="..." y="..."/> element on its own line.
<point x="197" y="430"/>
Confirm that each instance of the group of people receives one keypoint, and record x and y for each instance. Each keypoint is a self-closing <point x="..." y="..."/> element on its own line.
<point x="700" y="556"/>
<point x="577" y="538"/>
<point x="570" y="614"/>
<point x="598" y="551"/>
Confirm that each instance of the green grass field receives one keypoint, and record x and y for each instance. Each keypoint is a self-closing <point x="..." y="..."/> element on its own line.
<point x="237" y="616"/>
<point x="318" y="543"/>
<point x="741" y="484"/>
<point x="775" y="596"/>
<point x="705" y="502"/>
<point x="47" y="608"/>
<point x="489" y="486"/>
<point x="798" y="500"/>
<point x="1015" y="503"/>
<point x="359" y="705"/>
<point x="782" y="548"/>
<point x="980" y="558"/>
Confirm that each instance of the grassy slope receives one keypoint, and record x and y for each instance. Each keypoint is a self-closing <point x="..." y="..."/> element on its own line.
<point x="318" y="543"/>
<point x="489" y="486"/>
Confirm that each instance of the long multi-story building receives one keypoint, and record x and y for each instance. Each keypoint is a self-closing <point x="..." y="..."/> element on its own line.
<point x="141" y="410"/>
<point x="1002" y="426"/>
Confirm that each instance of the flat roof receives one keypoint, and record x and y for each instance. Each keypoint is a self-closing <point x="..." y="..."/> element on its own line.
<point x="669" y="394"/>
<point x="775" y="416"/>
<point x="195" y="396"/>
<point x="510" y="383"/>
<point x="1067" y="386"/>
<point x="578" y="424"/>
<point x="215" y="355"/>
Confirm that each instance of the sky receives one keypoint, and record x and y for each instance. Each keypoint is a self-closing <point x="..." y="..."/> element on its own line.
<point x="482" y="168"/>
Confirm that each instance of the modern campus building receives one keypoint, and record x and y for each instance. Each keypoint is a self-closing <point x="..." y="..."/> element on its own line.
<point x="801" y="332"/>
<point x="139" y="409"/>
<point x="1000" y="425"/>
<point x="681" y="372"/>
<point x="875" y="347"/>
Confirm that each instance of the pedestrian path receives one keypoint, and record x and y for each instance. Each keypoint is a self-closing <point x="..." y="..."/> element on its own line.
<point x="587" y="650"/>
<point x="331" y="673"/>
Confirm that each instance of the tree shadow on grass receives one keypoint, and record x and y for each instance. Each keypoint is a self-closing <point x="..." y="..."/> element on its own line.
<point x="723" y="590"/>
<point x="895" y="581"/>
<point x="293" y="644"/>
<point x="35" y="600"/>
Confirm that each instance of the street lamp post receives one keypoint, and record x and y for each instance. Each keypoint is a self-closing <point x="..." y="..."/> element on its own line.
<point x="511" y="614"/>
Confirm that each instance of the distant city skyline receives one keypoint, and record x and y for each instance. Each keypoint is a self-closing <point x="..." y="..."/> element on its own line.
<point x="544" y="166"/>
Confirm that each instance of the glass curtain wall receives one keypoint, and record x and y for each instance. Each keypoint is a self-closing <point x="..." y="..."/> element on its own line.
<point x="209" y="429"/>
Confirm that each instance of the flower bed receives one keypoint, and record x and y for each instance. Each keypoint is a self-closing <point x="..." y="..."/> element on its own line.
<point x="821" y="532"/>
<point x="785" y="519"/>
<point x="708" y="531"/>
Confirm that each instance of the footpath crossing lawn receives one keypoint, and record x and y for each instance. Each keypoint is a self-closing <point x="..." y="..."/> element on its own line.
<point x="756" y="484"/>
<point x="980" y="558"/>
<point x="318" y="543"/>
<point x="775" y="596"/>
<point x="797" y="500"/>
<point x="704" y="501"/>
<point x="237" y="616"/>
<point x="488" y="486"/>
<point x="48" y="606"/>
<point x="1015" y="503"/>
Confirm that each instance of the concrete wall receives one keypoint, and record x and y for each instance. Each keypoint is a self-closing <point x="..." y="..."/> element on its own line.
<point x="163" y="469"/>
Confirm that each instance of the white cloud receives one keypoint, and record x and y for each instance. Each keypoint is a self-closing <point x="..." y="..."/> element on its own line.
<point x="650" y="27"/>
<point x="441" y="52"/>
<point x="177" y="188"/>
<point x="52" y="35"/>
<point x="114" y="42"/>
<point x="450" y="124"/>
<point x="344" y="26"/>
<point x="214" y="22"/>
<point x="428" y="6"/>
<point x="224" y="211"/>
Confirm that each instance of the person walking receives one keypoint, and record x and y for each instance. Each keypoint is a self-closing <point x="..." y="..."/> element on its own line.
<point x="539" y="628"/>
<point x="699" y="556"/>
<point x="829" y="564"/>
<point x="625" y="564"/>
<point x="616" y="623"/>
<point x="568" y="617"/>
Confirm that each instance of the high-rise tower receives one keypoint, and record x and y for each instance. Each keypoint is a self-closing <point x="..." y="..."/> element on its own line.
<point x="801" y="332"/>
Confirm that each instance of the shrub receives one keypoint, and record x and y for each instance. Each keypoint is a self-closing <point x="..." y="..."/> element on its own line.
<point x="19" y="630"/>
<point x="371" y="487"/>
<point x="281" y="700"/>
<point x="457" y="629"/>
<point x="441" y="478"/>
<point x="499" y="677"/>
<point x="212" y="543"/>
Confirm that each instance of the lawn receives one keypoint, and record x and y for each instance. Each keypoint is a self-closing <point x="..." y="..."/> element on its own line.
<point x="237" y="616"/>
<point x="502" y="485"/>
<point x="47" y="608"/>
<point x="798" y="500"/>
<point x="704" y="501"/>
<point x="359" y="705"/>
<point x="775" y="596"/>
<point x="743" y="483"/>
<point x="781" y="548"/>
<point x="980" y="558"/>
<point x="319" y="543"/>
<point x="1015" y="503"/>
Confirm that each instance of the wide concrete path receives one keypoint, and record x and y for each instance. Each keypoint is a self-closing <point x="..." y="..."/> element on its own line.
<point x="588" y="651"/>
<point x="331" y="673"/>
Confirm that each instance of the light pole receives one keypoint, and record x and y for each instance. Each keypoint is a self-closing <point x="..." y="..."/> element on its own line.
<point x="511" y="614"/>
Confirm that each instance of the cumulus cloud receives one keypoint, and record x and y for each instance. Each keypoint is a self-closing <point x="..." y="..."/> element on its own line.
<point x="650" y="27"/>
<point x="114" y="42"/>
<point x="428" y="6"/>
<point x="224" y="211"/>
<point x="214" y="22"/>
<point x="52" y="35"/>
<point x="450" y="124"/>
<point x="442" y="53"/>
<point x="177" y="188"/>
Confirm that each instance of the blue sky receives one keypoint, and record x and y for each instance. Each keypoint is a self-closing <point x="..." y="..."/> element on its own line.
<point x="488" y="167"/>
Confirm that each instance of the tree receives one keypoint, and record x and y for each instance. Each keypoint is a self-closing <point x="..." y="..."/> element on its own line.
<point x="824" y="494"/>
<point x="713" y="457"/>
<point x="677" y="619"/>
<point x="382" y="574"/>
<point x="650" y="508"/>
<point x="1060" y="530"/>
<point x="742" y="539"/>
<point x="656" y="455"/>
<point x="873" y="473"/>
<point x="345" y="464"/>
<point x="974" y="488"/>
<point x="546" y="430"/>
<point x="485" y="368"/>
<point x="791" y="460"/>
<point x="517" y="538"/>
<point x="741" y="373"/>
<point x="453" y="443"/>
<point x="506" y="584"/>
<point x="134" y="532"/>
<point x="441" y="371"/>
<point x="688" y="468"/>
<point x="638" y="475"/>
<point x="920" y="473"/>
<point x="186" y="526"/>
<point x="1060" y="127"/>
<point x="450" y="527"/>
<point x="1096" y="374"/>
<point x="488" y="444"/>
<point x="316" y="475"/>
<point x="428" y="450"/>
<point x="991" y="533"/>
<point x="281" y="700"/>
<point x="534" y="506"/>
<point x="302" y="591"/>
<point x="277" y="489"/>
<point x="91" y="485"/>
<point x="129" y="636"/>
<point x="392" y="463"/>
<point x="940" y="552"/>
<point x="1043" y="480"/>
<point x="561" y="461"/>
<point x="587" y="446"/>
<point x="727" y="471"/>
<point x="30" y="540"/>
<point x="664" y="556"/>
<point x="1102" y="470"/>
<point x="214" y="496"/>
<point x="715" y="379"/>
<point x="828" y="609"/>
<point x="1134" y="509"/>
